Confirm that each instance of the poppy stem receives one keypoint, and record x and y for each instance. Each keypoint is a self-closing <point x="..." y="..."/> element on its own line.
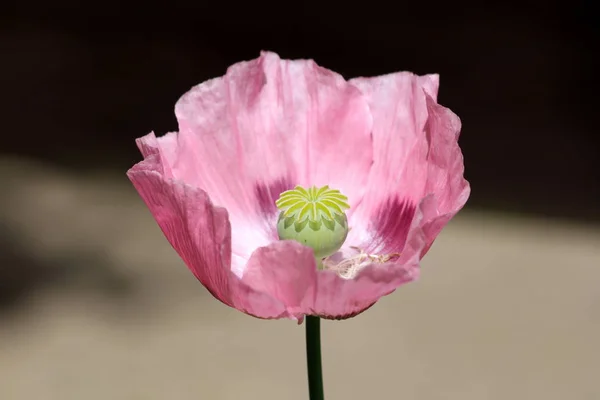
<point x="313" y="358"/>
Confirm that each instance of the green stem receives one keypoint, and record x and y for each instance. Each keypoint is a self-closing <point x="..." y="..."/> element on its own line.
<point x="313" y="358"/>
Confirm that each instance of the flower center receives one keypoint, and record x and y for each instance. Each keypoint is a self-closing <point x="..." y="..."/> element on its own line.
<point x="314" y="217"/>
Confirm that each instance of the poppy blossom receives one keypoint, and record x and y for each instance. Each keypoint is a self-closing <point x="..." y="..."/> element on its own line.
<point x="289" y="191"/>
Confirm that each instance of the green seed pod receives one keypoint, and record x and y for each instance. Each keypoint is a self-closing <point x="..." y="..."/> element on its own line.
<point x="314" y="217"/>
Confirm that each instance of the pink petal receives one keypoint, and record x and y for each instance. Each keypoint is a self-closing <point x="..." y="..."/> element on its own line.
<point x="416" y="154"/>
<point x="287" y="271"/>
<point x="164" y="148"/>
<point x="208" y="154"/>
<point x="299" y="123"/>
<point x="339" y="298"/>
<point x="266" y="126"/>
<point x="201" y="235"/>
<point x="445" y="177"/>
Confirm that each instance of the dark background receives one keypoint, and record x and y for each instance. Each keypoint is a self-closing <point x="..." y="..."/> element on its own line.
<point x="81" y="82"/>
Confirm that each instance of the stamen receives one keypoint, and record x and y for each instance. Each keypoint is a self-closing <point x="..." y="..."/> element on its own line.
<point x="349" y="267"/>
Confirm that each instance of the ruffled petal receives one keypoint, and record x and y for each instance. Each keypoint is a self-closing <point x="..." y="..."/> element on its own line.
<point x="286" y="270"/>
<point x="416" y="154"/>
<point x="200" y="233"/>
<point x="208" y="157"/>
<point x="339" y="298"/>
<point x="299" y="123"/>
<point x="208" y="154"/>
<point x="266" y="126"/>
<point x="445" y="175"/>
<point x="160" y="149"/>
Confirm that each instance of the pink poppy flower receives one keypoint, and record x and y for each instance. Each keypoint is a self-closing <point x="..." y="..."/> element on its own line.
<point x="271" y="124"/>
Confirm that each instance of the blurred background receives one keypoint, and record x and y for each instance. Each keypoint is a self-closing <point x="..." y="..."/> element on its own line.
<point x="94" y="303"/>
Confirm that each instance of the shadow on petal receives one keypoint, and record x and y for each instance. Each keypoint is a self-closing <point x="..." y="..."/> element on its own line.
<point x="201" y="235"/>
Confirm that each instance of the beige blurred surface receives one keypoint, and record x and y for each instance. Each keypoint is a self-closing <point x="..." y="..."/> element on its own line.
<point x="506" y="308"/>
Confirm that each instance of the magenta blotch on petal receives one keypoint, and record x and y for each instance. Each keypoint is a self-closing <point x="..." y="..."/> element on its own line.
<point x="267" y="193"/>
<point x="391" y="223"/>
<point x="268" y="125"/>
